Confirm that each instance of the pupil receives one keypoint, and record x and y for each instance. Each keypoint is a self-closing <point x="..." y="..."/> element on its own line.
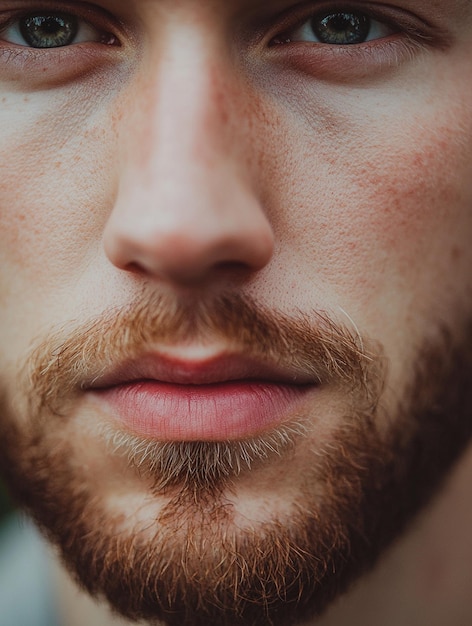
<point x="341" y="28"/>
<point x="51" y="26"/>
<point x="49" y="31"/>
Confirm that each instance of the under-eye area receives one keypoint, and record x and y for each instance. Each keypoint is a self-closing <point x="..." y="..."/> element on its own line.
<point x="48" y="47"/>
<point x="348" y="44"/>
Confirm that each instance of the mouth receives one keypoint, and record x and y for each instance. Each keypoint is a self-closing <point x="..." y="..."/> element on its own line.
<point x="219" y="398"/>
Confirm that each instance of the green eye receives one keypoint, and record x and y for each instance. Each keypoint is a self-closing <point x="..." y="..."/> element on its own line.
<point x="337" y="28"/>
<point x="53" y="29"/>
<point x="49" y="30"/>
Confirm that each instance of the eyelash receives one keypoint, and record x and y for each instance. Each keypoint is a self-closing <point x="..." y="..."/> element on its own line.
<point x="306" y="23"/>
<point x="398" y="20"/>
<point x="55" y="65"/>
<point x="409" y="35"/>
<point x="89" y="17"/>
<point x="84" y="33"/>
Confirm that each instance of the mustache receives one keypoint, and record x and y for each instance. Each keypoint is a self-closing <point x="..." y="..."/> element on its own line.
<point x="68" y="360"/>
<point x="64" y="364"/>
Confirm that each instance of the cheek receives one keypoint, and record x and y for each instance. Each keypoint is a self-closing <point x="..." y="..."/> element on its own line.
<point x="380" y="210"/>
<point x="57" y="186"/>
<point x="417" y="199"/>
<point x="420" y="192"/>
<point x="54" y="190"/>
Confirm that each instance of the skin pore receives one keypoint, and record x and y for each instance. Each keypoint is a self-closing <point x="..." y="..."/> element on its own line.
<point x="192" y="179"/>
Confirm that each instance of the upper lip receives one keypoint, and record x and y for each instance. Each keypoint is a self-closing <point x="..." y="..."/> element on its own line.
<point x="212" y="370"/>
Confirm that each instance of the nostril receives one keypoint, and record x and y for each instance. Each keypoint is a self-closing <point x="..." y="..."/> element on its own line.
<point x="232" y="267"/>
<point x="133" y="268"/>
<point x="211" y="226"/>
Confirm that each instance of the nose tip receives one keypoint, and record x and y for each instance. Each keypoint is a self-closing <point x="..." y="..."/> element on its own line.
<point x="188" y="235"/>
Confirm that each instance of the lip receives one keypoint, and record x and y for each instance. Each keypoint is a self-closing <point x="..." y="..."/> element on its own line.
<point x="220" y="398"/>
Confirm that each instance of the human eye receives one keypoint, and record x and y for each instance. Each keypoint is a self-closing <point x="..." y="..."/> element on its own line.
<point x="338" y="28"/>
<point x="350" y="41"/>
<point x="52" y="43"/>
<point x="51" y="29"/>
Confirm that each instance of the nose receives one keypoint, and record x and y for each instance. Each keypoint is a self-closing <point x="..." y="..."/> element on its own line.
<point x="187" y="205"/>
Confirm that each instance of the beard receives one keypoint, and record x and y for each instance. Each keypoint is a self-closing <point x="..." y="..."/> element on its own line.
<point x="175" y="547"/>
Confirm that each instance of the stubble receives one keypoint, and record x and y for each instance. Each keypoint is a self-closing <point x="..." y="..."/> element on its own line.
<point x="193" y="563"/>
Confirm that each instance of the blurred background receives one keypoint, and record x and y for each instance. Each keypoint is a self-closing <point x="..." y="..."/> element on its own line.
<point x="5" y="504"/>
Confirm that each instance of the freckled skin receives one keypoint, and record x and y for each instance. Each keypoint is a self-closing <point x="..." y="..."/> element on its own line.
<point x="188" y="162"/>
<point x="357" y="203"/>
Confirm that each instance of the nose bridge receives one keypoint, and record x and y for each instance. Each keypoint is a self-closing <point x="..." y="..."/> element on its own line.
<point x="183" y="111"/>
<point x="186" y="203"/>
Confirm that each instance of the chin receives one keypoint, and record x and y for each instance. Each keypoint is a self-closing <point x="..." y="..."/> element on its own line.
<point x="269" y="528"/>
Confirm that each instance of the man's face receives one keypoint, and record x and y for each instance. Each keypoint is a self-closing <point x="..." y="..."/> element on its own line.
<point x="235" y="289"/>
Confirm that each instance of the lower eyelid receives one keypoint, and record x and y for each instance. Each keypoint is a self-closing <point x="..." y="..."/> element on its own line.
<point x="346" y="64"/>
<point x="29" y="69"/>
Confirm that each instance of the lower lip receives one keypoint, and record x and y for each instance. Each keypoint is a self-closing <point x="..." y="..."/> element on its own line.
<point x="214" y="412"/>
